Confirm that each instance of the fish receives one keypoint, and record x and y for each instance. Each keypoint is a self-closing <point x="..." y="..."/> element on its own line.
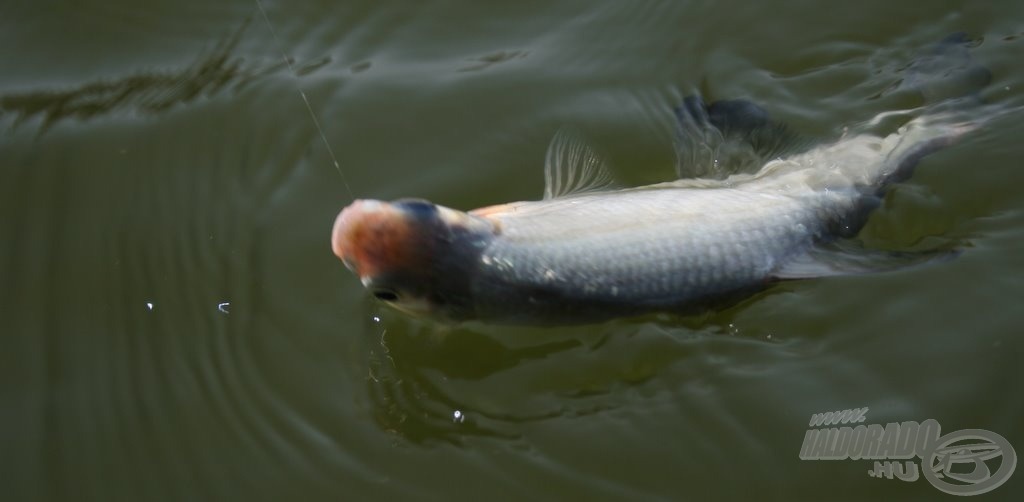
<point x="588" y="251"/>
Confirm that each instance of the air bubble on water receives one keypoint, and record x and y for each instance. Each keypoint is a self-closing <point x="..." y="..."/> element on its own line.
<point x="458" y="417"/>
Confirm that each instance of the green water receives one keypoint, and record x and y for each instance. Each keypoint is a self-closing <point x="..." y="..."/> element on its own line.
<point x="176" y="328"/>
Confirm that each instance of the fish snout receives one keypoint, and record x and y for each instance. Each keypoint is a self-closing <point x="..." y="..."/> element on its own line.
<point x="371" y="237"/>
<point x="414" y="255"/>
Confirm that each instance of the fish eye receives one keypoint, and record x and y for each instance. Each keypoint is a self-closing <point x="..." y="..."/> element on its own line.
<point x="418" y="207"/>
<point x="385" y="295"/>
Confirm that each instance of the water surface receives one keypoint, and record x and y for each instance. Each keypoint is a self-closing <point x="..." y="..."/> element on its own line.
<point x="177" y="328"/>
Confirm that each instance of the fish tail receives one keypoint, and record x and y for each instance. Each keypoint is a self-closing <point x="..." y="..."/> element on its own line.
<point x="726" y="137"/>
<point x="946" y="71"/>
<point x="950" y="81"/>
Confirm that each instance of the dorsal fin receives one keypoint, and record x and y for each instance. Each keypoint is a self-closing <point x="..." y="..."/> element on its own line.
<point x="572" y="166"/>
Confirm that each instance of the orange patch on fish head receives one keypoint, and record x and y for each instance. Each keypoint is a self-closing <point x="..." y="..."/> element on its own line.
<point x="412" y="254"/>
<point x="373" y="237"/>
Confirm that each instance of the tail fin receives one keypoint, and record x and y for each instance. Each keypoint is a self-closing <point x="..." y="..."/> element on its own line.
<point x="946" y="70"/>
<point x="736" y="136"/>
<point x="725" y="138"/>
<point x="944" y="74"/>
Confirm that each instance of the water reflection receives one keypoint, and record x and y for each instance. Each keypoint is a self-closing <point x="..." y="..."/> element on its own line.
<point x="218" y="70"/>
<point x="430" y="383"/>
<point x="132" y="231"/>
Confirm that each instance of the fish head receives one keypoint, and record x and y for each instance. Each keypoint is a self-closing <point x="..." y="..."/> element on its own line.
<point x="412" y="254"/>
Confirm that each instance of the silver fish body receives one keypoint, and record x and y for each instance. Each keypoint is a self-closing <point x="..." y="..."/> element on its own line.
<point x="591" y="256"/>
<point x="676" y="246"/>
<point x="604" y="255"/>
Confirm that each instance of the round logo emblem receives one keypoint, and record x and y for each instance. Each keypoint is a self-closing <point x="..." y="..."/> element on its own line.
<point x="960" y="463"/>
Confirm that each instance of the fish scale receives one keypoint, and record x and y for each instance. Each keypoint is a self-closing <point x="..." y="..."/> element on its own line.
<point x="656" y="248"/>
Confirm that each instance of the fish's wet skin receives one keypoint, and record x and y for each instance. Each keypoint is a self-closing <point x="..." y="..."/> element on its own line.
<point x="587" y="253"/>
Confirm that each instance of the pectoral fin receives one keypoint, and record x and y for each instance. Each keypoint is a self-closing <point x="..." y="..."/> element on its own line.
<point x="847" y="257"/>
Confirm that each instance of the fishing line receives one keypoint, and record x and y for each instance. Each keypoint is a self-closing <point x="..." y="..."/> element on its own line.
<point x="316" y="123"/>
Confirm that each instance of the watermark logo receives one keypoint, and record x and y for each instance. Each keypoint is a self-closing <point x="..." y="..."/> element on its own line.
<point x="964" y="462"/>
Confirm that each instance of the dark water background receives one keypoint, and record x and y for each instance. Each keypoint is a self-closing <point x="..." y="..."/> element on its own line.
<point x="158" y="166"/>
